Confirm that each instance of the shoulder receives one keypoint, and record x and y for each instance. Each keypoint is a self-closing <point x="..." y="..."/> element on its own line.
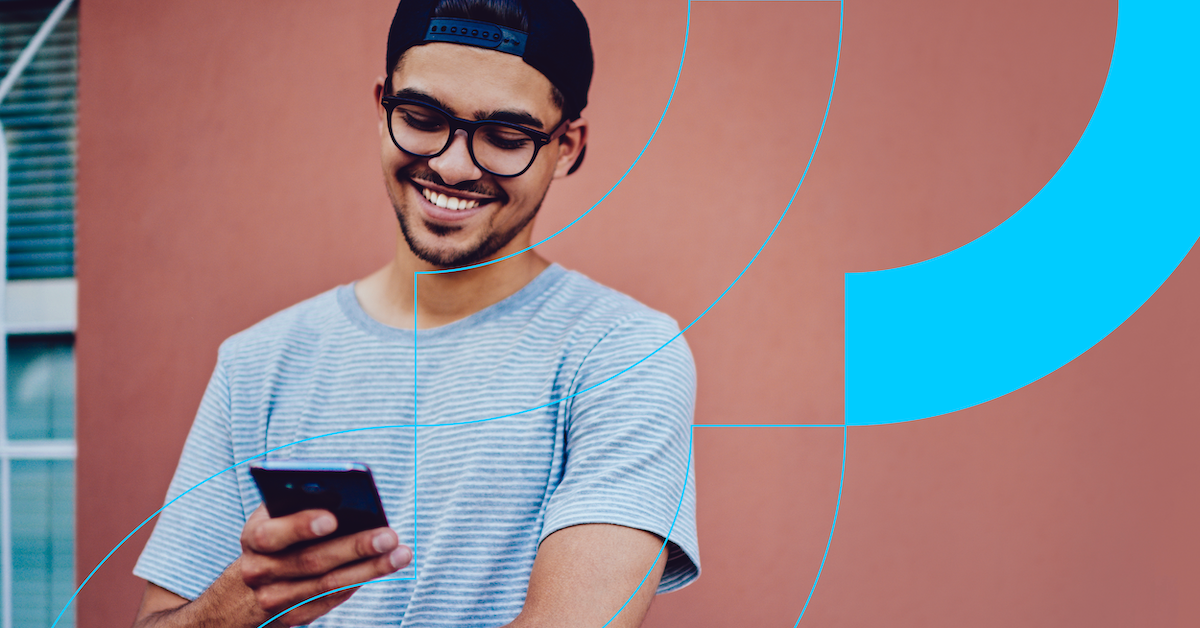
<point x="615" y="332"/>
<point x="293" y="328"/>
<point x="600" y="311"/>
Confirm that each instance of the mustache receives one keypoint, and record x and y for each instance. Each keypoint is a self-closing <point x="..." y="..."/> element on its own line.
<point x="474" y="187"/>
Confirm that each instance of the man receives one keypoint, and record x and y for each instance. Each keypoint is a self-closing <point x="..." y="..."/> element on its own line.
<point x="530" y="475"/>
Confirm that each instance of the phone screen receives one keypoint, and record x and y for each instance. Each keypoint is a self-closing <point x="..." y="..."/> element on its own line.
<point x="345" y="489"/>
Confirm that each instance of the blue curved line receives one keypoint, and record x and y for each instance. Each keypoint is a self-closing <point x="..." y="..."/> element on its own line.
<point x="686" y="31"/>
<point x="139" y="527"/>
<point x="682" y="495"/>
<point x="180" y="496"/>
<point x="837" y="509"/>
<point x="1063" y="272"/>
<point x="803" y="177"/>
<point x="325" y="594"/>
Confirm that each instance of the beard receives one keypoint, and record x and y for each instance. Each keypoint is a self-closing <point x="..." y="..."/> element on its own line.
<point x="470" y="254"/>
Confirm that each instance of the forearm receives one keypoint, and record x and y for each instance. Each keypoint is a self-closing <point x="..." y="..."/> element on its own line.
<point x="275" y="573"/>
<point x="228" y="603"/>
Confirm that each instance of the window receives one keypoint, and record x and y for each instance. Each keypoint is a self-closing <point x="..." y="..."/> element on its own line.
<point x="37" y="416"/>
<point x="40" y="452"/>
<point x="39" y="126"/>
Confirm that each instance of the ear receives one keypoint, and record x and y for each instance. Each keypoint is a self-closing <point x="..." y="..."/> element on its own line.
<point x="570" y="146"/>
<point x="379" y="111"/>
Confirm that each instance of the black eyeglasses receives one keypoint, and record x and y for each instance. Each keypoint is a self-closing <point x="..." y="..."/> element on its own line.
<point x="501" y="148"/>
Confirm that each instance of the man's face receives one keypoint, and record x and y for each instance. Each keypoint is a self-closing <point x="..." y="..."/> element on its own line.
<point x="451" y="212"/>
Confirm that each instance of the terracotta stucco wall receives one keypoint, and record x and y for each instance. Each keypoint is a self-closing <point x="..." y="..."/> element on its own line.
<point x="228" y="168"/>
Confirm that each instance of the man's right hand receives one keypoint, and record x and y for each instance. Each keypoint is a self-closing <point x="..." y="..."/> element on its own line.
<point x="272" y="575"/>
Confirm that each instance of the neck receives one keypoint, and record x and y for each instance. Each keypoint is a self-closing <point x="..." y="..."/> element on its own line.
<point x="387" y="294"/>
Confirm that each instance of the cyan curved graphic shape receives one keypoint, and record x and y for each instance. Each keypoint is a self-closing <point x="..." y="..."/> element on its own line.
<point x="1063" y="272"/>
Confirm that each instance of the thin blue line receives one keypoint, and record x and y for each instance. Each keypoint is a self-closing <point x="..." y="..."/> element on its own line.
<point x="842" y="480"/>
<point x="147" y="520"/>
<point x="327" y="593"/>
<point x="769" y="425"/>
<point x="670" y="99"/>
<point x="177" y="498"/>
<point x="414" y="426"/>
<point x="682" y="495"/>
<point x="836" y="510"/>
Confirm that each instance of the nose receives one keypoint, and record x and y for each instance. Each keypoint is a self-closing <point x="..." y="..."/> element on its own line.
<point x="455" y="164"/>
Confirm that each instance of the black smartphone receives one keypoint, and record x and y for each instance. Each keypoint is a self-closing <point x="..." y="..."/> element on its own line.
<point x="347" y="489"/>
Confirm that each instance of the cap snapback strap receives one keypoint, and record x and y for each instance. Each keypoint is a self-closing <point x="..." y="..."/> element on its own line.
<point x="475" y="33"/>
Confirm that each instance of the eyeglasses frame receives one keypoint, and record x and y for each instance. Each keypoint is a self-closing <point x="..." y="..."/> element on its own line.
<point x="540" y="139"/>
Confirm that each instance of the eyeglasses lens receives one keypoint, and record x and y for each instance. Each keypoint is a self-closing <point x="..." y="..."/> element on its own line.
<point x="499" y="149"/>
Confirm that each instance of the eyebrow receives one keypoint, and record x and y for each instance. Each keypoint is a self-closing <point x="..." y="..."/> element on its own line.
<point x="413" y="94"/>
<point x="511" y="116"/>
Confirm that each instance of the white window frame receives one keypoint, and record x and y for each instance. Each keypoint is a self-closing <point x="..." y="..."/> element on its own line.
<point x="51" y="304"/>
<point x="33" y="306"/>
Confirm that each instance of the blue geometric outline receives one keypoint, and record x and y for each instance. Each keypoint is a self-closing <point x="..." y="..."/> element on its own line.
<point x="754" y="258"/>
<point x="795" y="193"/>
<point x="844" y="426"/>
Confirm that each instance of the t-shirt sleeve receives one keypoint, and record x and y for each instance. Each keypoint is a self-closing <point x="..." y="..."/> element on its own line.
<point x="628" y="442"/>
<point x="196" y="535"/>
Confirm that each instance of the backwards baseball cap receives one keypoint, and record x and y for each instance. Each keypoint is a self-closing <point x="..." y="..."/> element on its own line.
<point x="557" y="43"/>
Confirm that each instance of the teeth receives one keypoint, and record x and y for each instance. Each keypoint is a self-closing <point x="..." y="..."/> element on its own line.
<point x="448" y="202"/>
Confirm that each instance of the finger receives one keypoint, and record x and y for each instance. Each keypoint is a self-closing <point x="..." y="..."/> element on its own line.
<point x="324" y="557"/>
<point x="267" y="535"/>
<point x="313" y="561"/>
<point x="281" y="595"/>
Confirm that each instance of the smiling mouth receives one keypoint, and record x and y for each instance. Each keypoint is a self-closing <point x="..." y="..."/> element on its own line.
<point x="448" y="202"/>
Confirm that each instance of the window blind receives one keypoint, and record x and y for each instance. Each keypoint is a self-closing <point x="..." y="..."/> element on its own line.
<point x="39" y="118"/>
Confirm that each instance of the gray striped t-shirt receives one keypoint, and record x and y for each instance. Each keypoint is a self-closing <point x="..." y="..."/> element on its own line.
<point x="520" y="430"/>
